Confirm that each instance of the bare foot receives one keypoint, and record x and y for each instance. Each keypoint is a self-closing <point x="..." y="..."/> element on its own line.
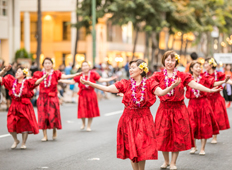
<point x="23" y="147"/>
<point x="214" y="141"/>
<point x="82" y="127"/>
<point x="193" y="151"/>
<point x="173" y="167"/>
<point x="54" y="134"/>
<point x="44" y="139"/>
<point x="164" y="166"/>
<point x="15" y="144"/>
<point x="88" y="130"/>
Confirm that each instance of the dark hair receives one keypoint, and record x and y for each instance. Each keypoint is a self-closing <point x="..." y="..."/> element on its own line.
<point x="194" y="56"/>
<point x="22" y="68"/>
<point x="193" y="63"/>
<point x="138" y="62"/>
<point x="169" y="53"/>
<point x="207" y="59"/>
<point x="47" y="58"/>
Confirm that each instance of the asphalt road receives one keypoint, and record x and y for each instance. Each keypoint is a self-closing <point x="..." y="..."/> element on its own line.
<point x="80" y="150"/>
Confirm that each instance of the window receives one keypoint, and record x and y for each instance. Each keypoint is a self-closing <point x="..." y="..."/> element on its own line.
<point x="3" y="7"/>
<point x="66" y="31"/>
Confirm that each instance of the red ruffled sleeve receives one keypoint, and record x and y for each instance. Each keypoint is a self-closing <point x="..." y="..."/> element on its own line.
<point x="122" y="85"/>
<point x="58" y="74"/>
<point x="186" y="78"/>
<point x="38" y="74"/>
<point x="96" y="76"/>
<point x="77" y="79"/>
<point x="156" y="76"/>
<point x="221" y="76"/>
<point x="31" y="83"/>
<point x="8" y="81"/>
<point x="153" y="85"/>
<point x="209" y="81"/>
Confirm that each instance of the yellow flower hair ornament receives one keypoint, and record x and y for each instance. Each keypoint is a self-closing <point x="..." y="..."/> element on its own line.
<point x="212" y="61"/>
<point x="177" y="57"/>
<point x="143" y="66"/>
<point x="25" y="71"/>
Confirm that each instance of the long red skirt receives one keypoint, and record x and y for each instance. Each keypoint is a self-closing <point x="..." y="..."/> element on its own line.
<point x="202" y="118"/>
<point x="172" y="127"/>
<point x="219" y="108"/>
<point x="136" y="135"/>
<point x="21" y="118"/>
<point x="87" y="104"/>
<point x="48" y="112"/>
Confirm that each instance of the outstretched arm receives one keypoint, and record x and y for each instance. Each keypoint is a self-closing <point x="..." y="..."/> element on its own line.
<point x="41" y="79"/>
<point x="227" y="80"/>
<point x="64" y="76"/>
<point x="161" y="92"/>
<point x="101" y="80"/>
<point x="4" y="70"/>
<point x="111" y="88"/>
<point x="195" y="85"/>
<point x="67" y="81"/>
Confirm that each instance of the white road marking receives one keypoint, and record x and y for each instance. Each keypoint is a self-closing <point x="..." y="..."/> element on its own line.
<point x="94" y="159"/>
<point x="114" y="113"/>
<point x="107" y="114"/>
<point x="3" y="136"/>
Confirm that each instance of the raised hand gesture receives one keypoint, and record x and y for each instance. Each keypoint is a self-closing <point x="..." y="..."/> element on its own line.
<point x="176" y="83"/>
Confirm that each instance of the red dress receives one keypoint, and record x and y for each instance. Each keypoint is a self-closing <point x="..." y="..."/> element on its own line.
<point x="87" y="102"/>
<point x="21" y="116"/>
<point x="48" y="102"/>
<point x="203" y="122"/>
<point x="136" y="133"/>
<point x="172" y="124"/>
<point x="218" y="104"/>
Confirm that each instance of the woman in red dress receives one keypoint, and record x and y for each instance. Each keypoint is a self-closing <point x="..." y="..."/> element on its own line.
<point x="172" y="124"/>
<point x="216" y="100"/>
<point x="201" y="113"/>
<point x="21" y="116"/>
<point x="48" y="102"/>
<point x="87" y="101"/>
<point x="136" y="133"/>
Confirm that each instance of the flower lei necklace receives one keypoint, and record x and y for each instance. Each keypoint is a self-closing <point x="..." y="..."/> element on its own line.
<point x="87" y="86"/>
<point x="49" y="79"/>
<point x="215" y="75"/>
<point x="133" y="83"/>
<point x="195" y="91"/>
<point x="21" y="88"/>
<point x="166" y="79"/>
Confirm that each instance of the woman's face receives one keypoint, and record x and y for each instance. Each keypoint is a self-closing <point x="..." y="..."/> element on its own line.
<point x="47" y="65"/>
<point x="19" y="74"/>
<point x="207" y="66"/>
<point x="196" y="69"/>
<point x="228" y="67"/>
<point x="170" y="63"/>
<point x="135" y="71"/>
<point x="85" y="67"/>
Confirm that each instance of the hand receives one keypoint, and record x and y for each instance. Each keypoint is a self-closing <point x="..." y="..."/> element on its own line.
<point x="120" y="94"/>
<point x="114" y="77"/>
<point x="83" y="81"/>
<point x="176" y="83"/>
<point x="227" y="78"/>
<point x="7" y="68"/>
<point x="46" y="75"/>
<point x="215" y="89"/>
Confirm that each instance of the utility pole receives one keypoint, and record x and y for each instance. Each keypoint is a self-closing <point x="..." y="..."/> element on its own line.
<point x="39" y="33"/>
<point x="93" y="29"/>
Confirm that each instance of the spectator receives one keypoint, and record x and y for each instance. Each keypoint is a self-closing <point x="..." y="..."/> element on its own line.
<point x="34" y="68"/>
<point x="68" y="69"/>
<point x="227" y="90"/>
<point x="194" y="57"/>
